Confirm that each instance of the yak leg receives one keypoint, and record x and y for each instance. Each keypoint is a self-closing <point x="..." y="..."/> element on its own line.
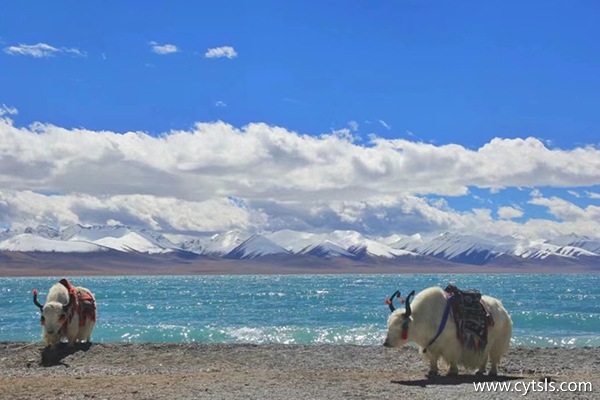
<point x="494" y="369"/>
<point x="495" y="357"/>
<point x="481" y="369"/>
<point x="48" y="343"/>
<point x="433" y="364"/>
<point x="72" y="337"/>
<point x="90" y="327"/>
<point x="495" y="360"/>
<point x="85" y="332"/>
<point x="453" y="371"/>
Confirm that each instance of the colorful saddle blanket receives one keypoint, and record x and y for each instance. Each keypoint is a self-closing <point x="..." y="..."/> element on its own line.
<point x="84" y="304"/>
<point x="470" y="316"/>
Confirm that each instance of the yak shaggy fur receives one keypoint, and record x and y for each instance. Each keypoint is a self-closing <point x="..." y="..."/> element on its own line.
<point x="427" y="310"/>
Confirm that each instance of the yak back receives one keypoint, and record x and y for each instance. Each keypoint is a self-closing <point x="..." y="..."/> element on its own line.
<point x="470" y="316"/>
<point x="84" y="304"/>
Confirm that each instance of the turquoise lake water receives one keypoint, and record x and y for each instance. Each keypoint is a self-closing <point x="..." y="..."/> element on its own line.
<point x="547" y="310"/>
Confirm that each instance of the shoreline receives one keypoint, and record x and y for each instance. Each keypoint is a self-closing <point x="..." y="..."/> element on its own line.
<point x="233" y="371"/>
<point x="242" y="270"/>
<point x="129" y="264"/>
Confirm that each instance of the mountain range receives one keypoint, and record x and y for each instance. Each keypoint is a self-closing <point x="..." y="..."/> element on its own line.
<point x="289" y="246"/>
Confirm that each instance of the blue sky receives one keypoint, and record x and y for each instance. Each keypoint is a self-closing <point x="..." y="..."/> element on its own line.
<point x="427" y="72"/>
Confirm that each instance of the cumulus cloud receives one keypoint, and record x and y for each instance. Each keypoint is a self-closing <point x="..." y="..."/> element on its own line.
<point x="593" y="195"/>
<point x="223" y="51"/>
<point x="42" y="50"/>
<point x="563" y="209"/>
<point x="220" y="104"/>
<point x="27" y="208"/>
<point x="6" y="110"/>
<point x="163" y="49"/>
<point x="184" y="180"/>
<point x="509" y="213"/>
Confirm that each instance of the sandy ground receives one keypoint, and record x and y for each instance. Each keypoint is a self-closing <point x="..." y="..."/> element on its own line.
<point x="224" y="371"/>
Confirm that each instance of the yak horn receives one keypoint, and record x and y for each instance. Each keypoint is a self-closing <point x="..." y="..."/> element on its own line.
<point x="390" y="301"/>
<point x="35" y="300"/>
<point x="408" y="310"/>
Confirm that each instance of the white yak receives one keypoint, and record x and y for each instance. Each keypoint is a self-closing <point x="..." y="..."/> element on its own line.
<point x="423" y="323"/>
<point x="69" y="312"/>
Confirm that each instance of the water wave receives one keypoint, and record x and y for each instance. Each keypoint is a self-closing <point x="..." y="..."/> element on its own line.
<point x="547" y="310"/>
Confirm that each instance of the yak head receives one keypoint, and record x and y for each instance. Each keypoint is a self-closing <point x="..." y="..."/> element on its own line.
<point x="54" y="316"/>
<point x="399" y="322"/>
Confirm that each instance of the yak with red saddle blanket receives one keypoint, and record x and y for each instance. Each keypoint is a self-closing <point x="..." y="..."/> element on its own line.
<point x="69" y="313"/>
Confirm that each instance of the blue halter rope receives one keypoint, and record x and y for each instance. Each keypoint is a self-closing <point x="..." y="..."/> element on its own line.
<point x="442" y="324"/>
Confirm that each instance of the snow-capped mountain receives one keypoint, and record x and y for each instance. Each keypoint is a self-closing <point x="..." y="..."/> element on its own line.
<point x="335" y="244"/>
<point x="582" y="242"/>
<point x="119" y="237"/>
<point x="458" y="248"/>
<point x="326" y="249"/>
<point x="217" y="245"/>
<point x="28" y="242"/>
<point x="316" y="244"/>
<point x="44" y="231"/>
<point x="541" y="250"/>
<point x="256" y="246"/>
<point x="403" y="242"/>
<point x="448" y="246"/>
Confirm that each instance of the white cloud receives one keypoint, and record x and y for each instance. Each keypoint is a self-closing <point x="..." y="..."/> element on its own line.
<point x="574" y="193"/>
<point x="181" y="180"/>
<point x="163" y="49"/>
<point x="535" y="193"/>
<point x="220" y="104"/>
<point x="74" y="51"/>
<point x="592" y="195"/>
<point x="42" y="50"/>
<point x="353" y="125"/>
<point x="509" y="213"/>
<point x="6" y="110"/>
<point x="161" y="213"/>
<point x="560" y="208"/>
<point x="218" y="52"/>
<point x="384" y="124"/>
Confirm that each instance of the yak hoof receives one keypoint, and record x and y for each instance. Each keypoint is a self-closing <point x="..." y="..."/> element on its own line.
<point x="452" y="373"/>
<point x="493" y="373"/>
<point x="480" y="372"/>
<point x="432" y="374"/>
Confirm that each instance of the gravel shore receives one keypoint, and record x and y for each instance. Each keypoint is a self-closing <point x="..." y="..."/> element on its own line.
<point x="236" y="371"/>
